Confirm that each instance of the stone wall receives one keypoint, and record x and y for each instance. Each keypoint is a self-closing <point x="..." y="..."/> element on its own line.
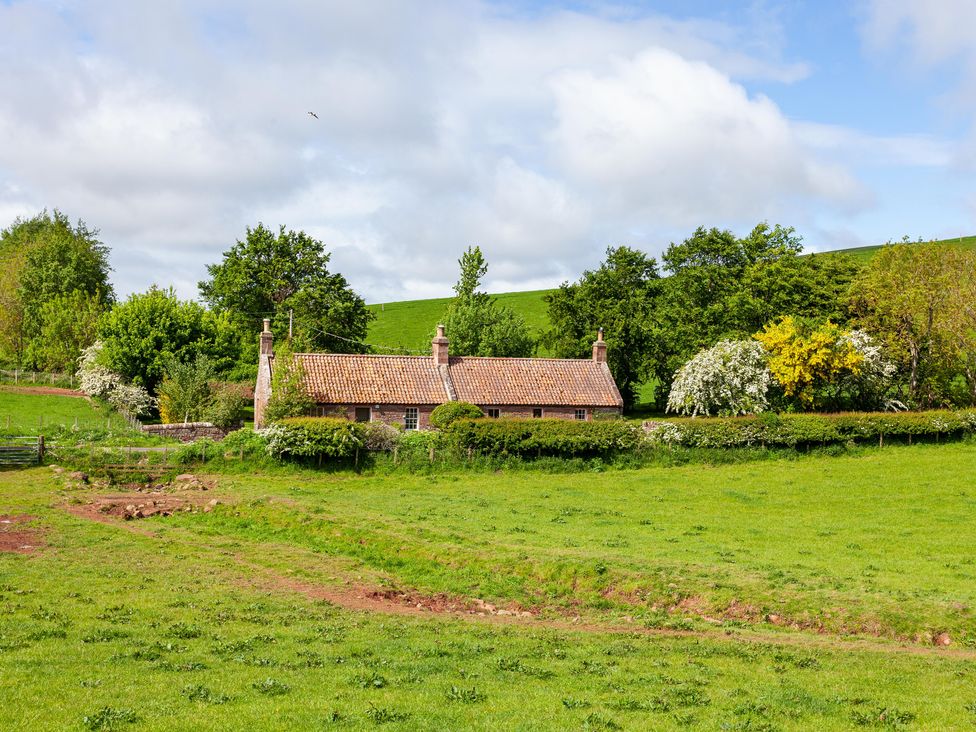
<point x="187" y="431"/>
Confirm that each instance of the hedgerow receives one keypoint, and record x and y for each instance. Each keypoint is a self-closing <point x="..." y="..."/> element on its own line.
<point x="446" y="414"/>
<point x="552" y="437"/>
<point x="797" y="430"/>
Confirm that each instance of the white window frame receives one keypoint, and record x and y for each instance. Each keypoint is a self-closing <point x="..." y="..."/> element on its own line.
<point x="581" y="415"/>
<point x="493" y="412"/>
<point x="411" y="414"/>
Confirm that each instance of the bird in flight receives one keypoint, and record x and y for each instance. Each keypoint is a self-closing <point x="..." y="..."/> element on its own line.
<point x="314" y="115"/>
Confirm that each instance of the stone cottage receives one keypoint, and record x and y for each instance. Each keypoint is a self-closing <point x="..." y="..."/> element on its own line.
<point x="404" y="390"/>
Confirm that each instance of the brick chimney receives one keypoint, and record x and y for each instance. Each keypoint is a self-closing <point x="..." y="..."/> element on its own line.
<point x="439" y="347"/>
<point x="600" y="348"/>
<point x="267" y="340"/>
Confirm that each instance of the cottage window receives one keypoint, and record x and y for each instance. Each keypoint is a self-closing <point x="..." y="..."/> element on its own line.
<point x="537" y="413"/>
<point x="411" y="418"/>
<point x="363" y="414"/>
<point x="581" y="414"/>
<point x="494" y="413"/>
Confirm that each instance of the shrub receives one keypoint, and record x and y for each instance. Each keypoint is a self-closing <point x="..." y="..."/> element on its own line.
<point x="380" y="436"/>
<point x="245" y="441"/>
<point x="729" y="378"/>
<point x="97" y="380"/>
<point x="226" y="407"/>
<point x="446" y="414"/>
<point x="315" y="437"/>
<point x="555" y="437"/>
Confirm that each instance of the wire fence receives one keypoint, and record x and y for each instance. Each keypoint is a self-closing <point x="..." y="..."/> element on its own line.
<point x="40" y="378"/>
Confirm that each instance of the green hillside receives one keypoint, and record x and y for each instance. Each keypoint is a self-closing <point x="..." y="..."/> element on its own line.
<point x="409" y="324"/>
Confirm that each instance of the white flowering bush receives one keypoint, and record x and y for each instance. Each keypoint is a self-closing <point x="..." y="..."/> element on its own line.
<point x="730" y="378"/>
<point x="100" y="382"/>
<point x="875" y="374"/>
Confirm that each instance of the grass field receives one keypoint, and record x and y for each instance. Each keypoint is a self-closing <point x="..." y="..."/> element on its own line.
<point x="410" y="324"/>
<point x="799" y="594"/>
<point x="25" y="411"/>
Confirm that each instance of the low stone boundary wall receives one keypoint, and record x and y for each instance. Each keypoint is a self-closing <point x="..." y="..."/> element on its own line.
<point x="188" y="431"/>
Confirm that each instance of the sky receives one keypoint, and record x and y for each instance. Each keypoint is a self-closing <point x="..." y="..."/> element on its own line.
<point x="543" y="132"/>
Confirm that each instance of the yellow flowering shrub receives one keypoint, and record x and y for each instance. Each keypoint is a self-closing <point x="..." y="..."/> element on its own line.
<point x="802" y="358"/>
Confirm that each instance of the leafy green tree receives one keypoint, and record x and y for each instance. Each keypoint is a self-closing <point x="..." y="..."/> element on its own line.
<point x="45" y="257"/>
<point x="268" y="275"/>
<point x="475" y="323"/>
<point x="620" y="296"/>
<point x="724" y="287"/>
<point x="914" y="298"/>
<point x="289" y="397"/>
<point x="143" y="333"/>
<point x="184" y="394"/>
<point x="69" y="324"/>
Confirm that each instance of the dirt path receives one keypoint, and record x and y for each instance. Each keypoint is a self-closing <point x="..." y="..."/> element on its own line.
<point x="50" y="390"/>
<point x="411" y="604"/>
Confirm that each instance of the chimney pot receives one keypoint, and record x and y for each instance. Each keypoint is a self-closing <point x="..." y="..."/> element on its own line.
<point x="439" y="347"/>
<point x="600" y="348"/>
<point x="267" y="339"/>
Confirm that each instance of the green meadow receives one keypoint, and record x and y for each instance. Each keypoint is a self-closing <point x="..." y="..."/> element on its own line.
<point x="811" y="593"/>
<point x="26" y="413"/>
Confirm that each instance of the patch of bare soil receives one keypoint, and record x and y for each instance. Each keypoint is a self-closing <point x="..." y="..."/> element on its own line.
<point x="52" y="390"/>
<point x="18" y="540"/>
<point x="142" y="500"/>
<point x="403" y="603"/>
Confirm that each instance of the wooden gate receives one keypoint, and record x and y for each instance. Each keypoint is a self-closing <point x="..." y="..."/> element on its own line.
<point x="21" y="450"/>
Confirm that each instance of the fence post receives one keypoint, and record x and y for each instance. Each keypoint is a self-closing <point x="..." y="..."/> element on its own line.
<point x="40" y="449"/>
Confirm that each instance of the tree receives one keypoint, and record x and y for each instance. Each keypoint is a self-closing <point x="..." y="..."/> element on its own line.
<point x="724" y="287"/>
<point x="289" y="397"/>
<point x="189" y="393"/>
<point x="475" y="323"/>
<point x="268" y="275"/>
<point x="69" y="324"/>
<point x="914" y="298"/>
<point x="144" y="332"/>
<point x="44" y="258"/>
<point x="620" y="296"/>
<point x="804" y="358"/>
<point x="730" y="378"/>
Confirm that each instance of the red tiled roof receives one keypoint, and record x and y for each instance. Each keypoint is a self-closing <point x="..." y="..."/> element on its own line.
<point x="540" y="381"/>
<point x="339" y="378"/>
<point x="334" y="378"/>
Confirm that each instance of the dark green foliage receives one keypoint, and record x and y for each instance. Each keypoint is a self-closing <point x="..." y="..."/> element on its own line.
<point x="535" y="437"/>
<point x="619" y="297"/>
<point x="476" y="324"/>
<point x="144" y="332"/>
<point x="798" y="430"/>
<point x="725" y="287"/>
<point x="109" y="718"/>
<point x="446" y="414"/>
<point x="42" y="259"/>
<point x="268" y="275"/>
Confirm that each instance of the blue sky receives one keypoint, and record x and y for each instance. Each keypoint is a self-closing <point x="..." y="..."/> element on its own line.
<point x="542" y="131"/>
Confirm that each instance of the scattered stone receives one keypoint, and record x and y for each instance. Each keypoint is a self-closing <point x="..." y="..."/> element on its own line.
<point x="773" y="618"/>
<point x="57" y="469"/>
<point x="185" y="478"/>
<point x="942" y="639"/>
<point x="504" y="612"/>
<point x="79" y="476"/>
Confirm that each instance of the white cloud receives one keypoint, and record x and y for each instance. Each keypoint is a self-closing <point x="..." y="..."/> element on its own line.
<point x="542" y="138"/>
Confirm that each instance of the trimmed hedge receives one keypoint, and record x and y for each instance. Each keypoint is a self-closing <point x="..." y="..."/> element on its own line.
<point x="799" y="430"/>
<point x="447" y="414"/>
<point x="551" y="437"/>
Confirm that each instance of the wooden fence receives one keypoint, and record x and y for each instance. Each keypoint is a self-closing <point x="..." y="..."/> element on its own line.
<point x="22" y="450"/>
<point x="17" y="376"/>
